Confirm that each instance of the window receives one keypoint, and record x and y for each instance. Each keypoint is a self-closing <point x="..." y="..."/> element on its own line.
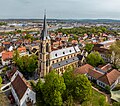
<point x="53" y="62"/>
<point x="47" y="47"/>
<point x="63" y="52"/>
<point x="41" y="47"/>
<point x="61" y="59"/>
<point x="57" y="60"/>
<point x="56" y="55"/>
<point x="70" y="51"/>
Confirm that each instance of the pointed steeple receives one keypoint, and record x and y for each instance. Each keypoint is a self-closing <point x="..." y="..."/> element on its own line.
<point x="44" y="34"/>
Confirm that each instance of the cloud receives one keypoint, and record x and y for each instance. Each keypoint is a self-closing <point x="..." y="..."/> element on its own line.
<point x="60" y="8"/>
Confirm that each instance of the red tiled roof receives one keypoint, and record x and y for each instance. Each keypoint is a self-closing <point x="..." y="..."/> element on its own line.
<point x="20" y="86"/>
<point x="74" y="42"/>
<point x="7" y="55"/>
<point x="83" y="69"/>
<point x="21" y="49"/>
<point x="106" y="68"/>
<point x="95" y="74"/>
<point x="110" y="77"/>
<point x="6" y="43"/>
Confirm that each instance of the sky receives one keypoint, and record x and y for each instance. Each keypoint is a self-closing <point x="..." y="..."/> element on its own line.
<point x="60" y="9"/>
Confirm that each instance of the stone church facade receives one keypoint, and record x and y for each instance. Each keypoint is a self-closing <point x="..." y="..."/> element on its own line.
<point x="57" y="59"/>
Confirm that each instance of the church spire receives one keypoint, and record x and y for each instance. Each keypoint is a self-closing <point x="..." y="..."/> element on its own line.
<point x="44" y="34"/>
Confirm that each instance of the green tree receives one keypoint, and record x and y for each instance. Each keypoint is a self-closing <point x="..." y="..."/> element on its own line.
<point x="0" y="80"/>
<point x="27" y="64"/>
<point x="53" y="87"/>
<point x="18" y="31"/>
<point x="82" y="88"/>
<point x="115" y="54"/>
<point x="70" y="39"/>
<point x="77" y="86"/>
<point x="95" y="59"/>
<point x="39" y="94"/>
<point x="89" y="47"/>
<point x="16" y="56"/>
<point x="116" y="104"/>
<point x="69" y="102"/>
<point x="68" y="79"/>
<point x="56" y="99"/>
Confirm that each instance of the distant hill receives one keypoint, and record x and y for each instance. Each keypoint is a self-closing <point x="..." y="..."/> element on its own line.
<point x="67" y="20"/>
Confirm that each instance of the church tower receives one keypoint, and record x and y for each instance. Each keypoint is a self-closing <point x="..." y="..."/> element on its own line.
<point x="44" y="51"/>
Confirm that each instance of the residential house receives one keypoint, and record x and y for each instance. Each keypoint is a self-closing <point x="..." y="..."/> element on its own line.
<point x="22" y="51"/>
<point x="22" y="91"/>
<point x="6" y="57"/>
<point x="104" y="76"/>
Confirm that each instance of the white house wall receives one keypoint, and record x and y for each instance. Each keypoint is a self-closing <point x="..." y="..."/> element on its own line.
<point x="15" y="96"/>
<point x="29" y="93"/>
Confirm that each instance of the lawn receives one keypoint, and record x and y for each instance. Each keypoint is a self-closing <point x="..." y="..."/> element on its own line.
<point x="117" y="87"/>
<point x="4" y="100"/>
<point x="96" y="99"/>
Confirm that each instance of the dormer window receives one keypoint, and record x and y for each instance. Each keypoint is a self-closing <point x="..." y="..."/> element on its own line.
<point x="56" y="55"/>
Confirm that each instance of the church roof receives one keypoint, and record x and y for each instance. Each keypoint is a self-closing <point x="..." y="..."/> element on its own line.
<point x="63" y="52"/>
<point x="64" y="62"/>
<point x="44" y="35"/>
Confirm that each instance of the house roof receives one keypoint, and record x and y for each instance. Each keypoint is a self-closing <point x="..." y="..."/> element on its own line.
<point x="110" y="77"/>
<point x="7" y="55"/>
<point x="106" y="68"/>
<point x="11" y="73"/>
<point x="21" y="49"/>
<point x="6" y="43"/>
<point x="83" y="69"/>
<point x="20" y="86"/>
<point x="95" y="74"/>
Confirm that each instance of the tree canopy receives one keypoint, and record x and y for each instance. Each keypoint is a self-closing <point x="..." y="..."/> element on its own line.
<point x="89" y="47"/>
<point x="26" y="64"/>
<point x="115" y="54"/>
<point x="95" y="59"/>
<point x="80" y="31"/>
<point x="78" y="86"/>
<point x="63" y="90"/>
<point x="53" y="89"/>
<point x="0" y="80"/>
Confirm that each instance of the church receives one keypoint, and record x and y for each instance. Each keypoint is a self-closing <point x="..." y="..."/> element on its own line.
<point x="55" y="59"/>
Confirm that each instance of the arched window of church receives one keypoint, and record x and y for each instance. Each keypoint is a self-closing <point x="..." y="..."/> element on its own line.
<point x="41" y="47"/>
<point x="47" y="47"/>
